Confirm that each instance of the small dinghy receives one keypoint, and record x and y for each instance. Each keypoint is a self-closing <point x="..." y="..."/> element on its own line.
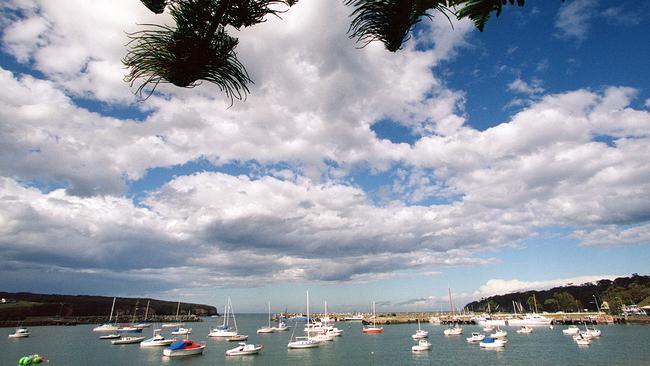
<point x="128" y="340"/>
<point x="244" y="349"/>
<point x="185" y="347"/>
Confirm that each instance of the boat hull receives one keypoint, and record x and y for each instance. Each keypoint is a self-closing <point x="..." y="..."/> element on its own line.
<point x="372" y="330"/>
<point x="183" y="352"/>
<point x="130" y="340"/>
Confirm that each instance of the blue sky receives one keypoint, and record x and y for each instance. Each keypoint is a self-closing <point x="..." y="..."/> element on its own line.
<point x="510" y="159"/>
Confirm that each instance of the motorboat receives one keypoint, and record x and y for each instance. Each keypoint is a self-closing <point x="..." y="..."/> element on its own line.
<point x="595" y="333"/>
<point x="157" y="340"/>
<point x="110" y="336"/>
<point x="420" y="333"/>
<point x="128" y="340"/>
<point x="322" y="337"/>
<point x="475" y="338"/>
<point x="237" y="338"/>
<point x="571" y="330"/>
<point x="185" y="347"/>
<point x="282" y="326"/>
<point x="488" y="328"/>
<point x="581" y="339"/>
<point x="244" y="349"/>
<point x="490" y="342"/>
<point x="525" y="330"/>
<point x="532" y="319"/>
<point x="358" y="317"/>
<point x="423" y="345"/>
<point x="20" y="333"/>
<point x="181" y="331"/>
<point x="302" y="342"/>
<point x="374" y="328"/>
<point x="453" y="330"/>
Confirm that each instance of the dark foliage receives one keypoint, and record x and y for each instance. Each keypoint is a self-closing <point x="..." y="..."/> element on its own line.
<point x="623" y="290"/>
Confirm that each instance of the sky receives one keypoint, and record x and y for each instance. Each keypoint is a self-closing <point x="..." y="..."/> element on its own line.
<point x="485" y="162"/>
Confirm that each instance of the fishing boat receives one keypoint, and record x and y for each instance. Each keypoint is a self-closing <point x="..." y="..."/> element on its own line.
<point x="489" y="342"/>
<point x="244" y="349"/>
<point x="237" y="338"/>
<point x="525" y="330"/>
<point x="475" y="338"/>
<point x="185" y="347"/>
<point x="224" y="330"/>
<point x="176" y="324"/>
<point x="423" y="345"/>
<point x="268" y="328"/>
<point x="420" y="333"/>
<point x="20" y="333"/>
<point x="157" y="340"/>
<point x="571" y="330"/>
<point x="181" y="331"/>
<point x="302" y="342"/>
<point x="128" y="340"/>
<point x="374" y="329"/>
<point x="107" y="327"/>
<point x="110" y="336"/>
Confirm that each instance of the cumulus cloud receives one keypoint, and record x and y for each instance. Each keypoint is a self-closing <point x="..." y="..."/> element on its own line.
<point x="520" y="86"/>
<point x="614" y="236"/>
<point x="573" y="18"/>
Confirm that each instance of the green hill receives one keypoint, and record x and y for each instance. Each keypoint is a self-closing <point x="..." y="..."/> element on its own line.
<point x="621" y="291"/>
<point x="21" y="305"/>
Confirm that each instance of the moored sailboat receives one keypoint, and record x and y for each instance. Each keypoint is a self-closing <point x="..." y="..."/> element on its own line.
<point x="374" y="328"/>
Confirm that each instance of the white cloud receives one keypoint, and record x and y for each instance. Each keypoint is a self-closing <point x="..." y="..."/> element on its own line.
<point x="520" y="86"/>
<point x="573" y="18"/>
<point x="499" y="286"/>
<point x="614" y="236"/>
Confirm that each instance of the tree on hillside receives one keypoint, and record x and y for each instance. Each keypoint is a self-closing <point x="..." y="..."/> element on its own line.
<point x="198" y="47"/>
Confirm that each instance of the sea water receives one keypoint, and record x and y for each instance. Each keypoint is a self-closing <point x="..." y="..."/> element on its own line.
<point x="79" y="345"/>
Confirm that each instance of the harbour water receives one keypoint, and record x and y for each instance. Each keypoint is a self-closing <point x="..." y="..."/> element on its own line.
<point x="79" y="345"/>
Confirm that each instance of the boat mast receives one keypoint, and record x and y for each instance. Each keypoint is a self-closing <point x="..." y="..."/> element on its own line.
<point x="112" y="308"/>
<point x="178" y="308"/>
<point x="232" y="311"/>
<point x="269" y="314"/>
<point x="135" y="311"/>
<point x="535" y="302"/>
<point x="374" y="316"/>
<point x="146" y="312"/>
<point x="451" y="305"/>
<point x="308" y="322"/>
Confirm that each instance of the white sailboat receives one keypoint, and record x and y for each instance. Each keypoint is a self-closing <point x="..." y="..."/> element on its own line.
<point x="224" y="330"/>
<point x="302" y="342"/>
<point x="420" y="333"/>
<point x="452" y="329"/>
<point x="108" y="327"/>
<point x="176" y="324"/>
<point x="268" y="328"/>
<point x="144" y="324"/>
